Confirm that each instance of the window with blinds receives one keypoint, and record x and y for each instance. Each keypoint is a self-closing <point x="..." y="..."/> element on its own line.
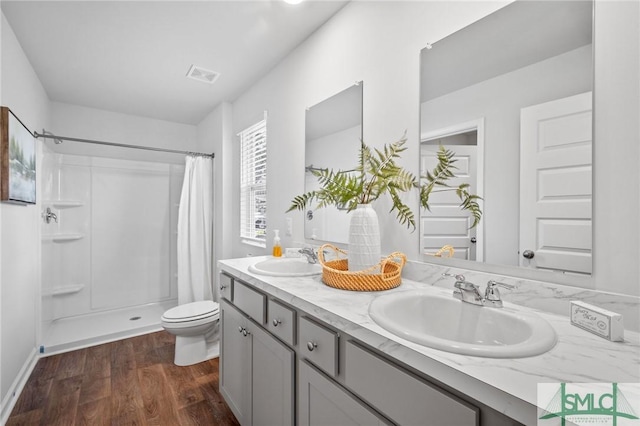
<point x="253" y="183"/>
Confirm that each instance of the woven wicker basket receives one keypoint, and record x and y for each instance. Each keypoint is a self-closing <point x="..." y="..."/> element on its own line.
<point x="383" y="276"/>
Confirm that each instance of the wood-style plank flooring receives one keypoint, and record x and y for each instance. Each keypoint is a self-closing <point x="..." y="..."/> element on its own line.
<point x="128" y="382"/>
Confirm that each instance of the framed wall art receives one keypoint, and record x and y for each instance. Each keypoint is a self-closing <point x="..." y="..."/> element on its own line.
<point x="17" y="160"/>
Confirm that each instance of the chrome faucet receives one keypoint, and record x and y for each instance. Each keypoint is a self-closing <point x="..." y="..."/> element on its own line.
<point x="310" y="254"/>
<point x="492" y="294"/>
<point x="470" y="293"/>
<point x="48" y="215"/>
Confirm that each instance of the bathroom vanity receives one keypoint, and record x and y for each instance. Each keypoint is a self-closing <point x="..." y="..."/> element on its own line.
<point x="295" y="351"/>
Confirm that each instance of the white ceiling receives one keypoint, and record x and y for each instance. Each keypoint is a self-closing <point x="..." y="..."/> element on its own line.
<point x="132" y="56"/>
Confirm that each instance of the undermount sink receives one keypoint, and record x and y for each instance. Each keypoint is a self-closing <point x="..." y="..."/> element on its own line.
<point x="286" y="267"/>
<point x="445" y="323"/>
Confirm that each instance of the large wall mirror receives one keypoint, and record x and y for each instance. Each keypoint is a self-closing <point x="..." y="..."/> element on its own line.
<point x="511" y="95"/>
<point x="333" y="133"/>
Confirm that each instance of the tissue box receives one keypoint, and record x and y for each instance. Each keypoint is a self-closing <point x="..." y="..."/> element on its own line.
<point x="598" y="321"/>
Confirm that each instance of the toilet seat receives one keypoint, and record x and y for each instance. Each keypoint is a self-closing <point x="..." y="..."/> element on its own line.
<point x="194" y="311"/>
<point x="192" y="324"/>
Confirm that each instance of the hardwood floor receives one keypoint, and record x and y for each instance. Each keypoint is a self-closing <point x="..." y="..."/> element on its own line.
<point x="128" y="382"/>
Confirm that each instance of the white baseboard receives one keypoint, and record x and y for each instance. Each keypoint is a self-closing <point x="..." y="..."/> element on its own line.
<point x="9" y="400"/>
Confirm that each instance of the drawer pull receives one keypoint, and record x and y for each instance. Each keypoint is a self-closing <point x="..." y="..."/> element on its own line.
<point x="311" y="346"/>
<point x="276" y="322"/>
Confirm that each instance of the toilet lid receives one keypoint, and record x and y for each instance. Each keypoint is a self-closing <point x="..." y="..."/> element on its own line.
<point x="192" y="311"/>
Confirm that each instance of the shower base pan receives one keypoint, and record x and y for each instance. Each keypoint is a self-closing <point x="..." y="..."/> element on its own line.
<point x="82" y="331"/>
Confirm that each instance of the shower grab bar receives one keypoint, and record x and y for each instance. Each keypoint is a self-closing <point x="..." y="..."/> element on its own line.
<point x="48" y="135"/>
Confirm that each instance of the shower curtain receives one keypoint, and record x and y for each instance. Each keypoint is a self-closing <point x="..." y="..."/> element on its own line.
<point x="195" y="225"/>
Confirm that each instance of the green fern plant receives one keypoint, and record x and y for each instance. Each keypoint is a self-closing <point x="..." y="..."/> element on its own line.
<point x="377" y="174"/>
<point x="436" y="181"/>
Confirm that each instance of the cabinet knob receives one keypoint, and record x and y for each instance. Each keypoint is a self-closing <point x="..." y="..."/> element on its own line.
<point x="240" y="329"/>
<point x="528" y="254"/>
<point x="276" y="322"/>
<point x="222" y="287"/>
<point x="244" y="332"/>
<point x="311" y="346"/>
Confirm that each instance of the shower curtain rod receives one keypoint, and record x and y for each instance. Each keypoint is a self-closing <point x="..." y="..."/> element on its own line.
<point x="59" y="139"/>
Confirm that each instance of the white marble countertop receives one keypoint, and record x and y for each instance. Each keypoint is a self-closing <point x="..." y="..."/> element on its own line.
<point x="507" y="385"/>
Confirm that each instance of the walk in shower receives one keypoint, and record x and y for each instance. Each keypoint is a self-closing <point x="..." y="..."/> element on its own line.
<point x="109" y="267"/>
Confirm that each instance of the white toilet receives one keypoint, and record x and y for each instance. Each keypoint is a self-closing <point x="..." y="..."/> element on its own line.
<point x="191" y="323"/>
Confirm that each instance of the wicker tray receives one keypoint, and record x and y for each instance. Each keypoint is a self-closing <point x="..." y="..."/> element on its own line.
<point x="383" y="276"/>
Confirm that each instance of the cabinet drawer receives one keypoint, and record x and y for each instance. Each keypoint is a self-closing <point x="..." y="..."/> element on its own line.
<point x="249" y="301"/>
<point x="281" y="321"/>
<point x="226" y="283"/>
<point x="319" y="345"/>
<point x="404" y="398"/>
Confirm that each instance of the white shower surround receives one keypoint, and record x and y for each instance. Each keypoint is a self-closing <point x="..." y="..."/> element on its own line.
<point x="113" y="251"/>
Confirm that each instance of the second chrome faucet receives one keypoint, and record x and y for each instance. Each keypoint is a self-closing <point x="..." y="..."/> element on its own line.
<point x="310" y="254"/>
<point x="470" y="293"/>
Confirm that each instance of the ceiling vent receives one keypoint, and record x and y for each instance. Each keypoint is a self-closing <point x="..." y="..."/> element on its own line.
<point x="201" y="74"/>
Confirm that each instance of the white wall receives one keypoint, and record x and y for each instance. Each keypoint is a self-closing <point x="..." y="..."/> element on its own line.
<point x="19" y="228"/>
<point x="379" y="43"/>
<point x="214" y="134"/>
<point x="90" y="123"/>
<point x="617" y="147"/>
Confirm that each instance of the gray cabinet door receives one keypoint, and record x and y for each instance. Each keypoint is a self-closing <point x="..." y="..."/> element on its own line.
<point x="323" y="403"/>
<point x="273" y="386"/>
<point x="235" y="363"/>
<point x="400" y="396"/>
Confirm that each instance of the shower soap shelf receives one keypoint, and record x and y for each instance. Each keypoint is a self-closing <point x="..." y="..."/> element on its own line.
<point x="62" y="238"/>
<point x="67" y="289"/>
<point x="63" y="204"/>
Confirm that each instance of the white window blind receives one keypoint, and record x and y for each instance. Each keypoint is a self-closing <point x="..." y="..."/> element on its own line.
<point x="253" y="183"/>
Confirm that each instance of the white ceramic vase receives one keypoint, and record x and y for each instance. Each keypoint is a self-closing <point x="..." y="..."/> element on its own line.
<point x="364" y="239"/>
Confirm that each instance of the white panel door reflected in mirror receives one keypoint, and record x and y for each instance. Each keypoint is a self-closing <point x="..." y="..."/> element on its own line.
<point x="333" y="134"/>
<point x="445" y="223"/>
<point x="525" y="54"/>
<point x="555" y="184"/>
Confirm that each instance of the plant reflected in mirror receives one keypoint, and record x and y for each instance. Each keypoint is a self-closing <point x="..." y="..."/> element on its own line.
<point x="378" y="173"/>
<point x="438" y="178"/>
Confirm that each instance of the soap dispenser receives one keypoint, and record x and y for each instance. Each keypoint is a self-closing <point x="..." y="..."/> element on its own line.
<point x="277" y="248"/>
